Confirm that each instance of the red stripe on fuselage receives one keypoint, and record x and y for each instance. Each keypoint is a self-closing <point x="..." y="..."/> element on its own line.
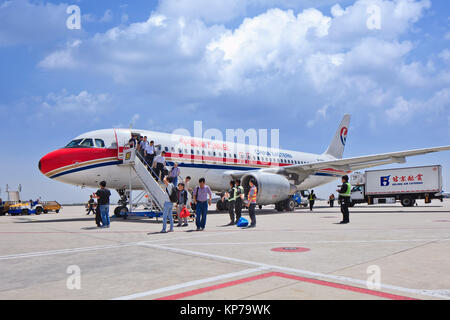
<point x="66" y="157"/>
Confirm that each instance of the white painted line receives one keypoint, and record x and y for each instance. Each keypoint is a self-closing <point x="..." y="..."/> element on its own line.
<point x="299" y="242"/>
<point x="64" y="251"/>
<point x="190" y="284"/>
<point x="297" y="271"/>
<point x="87" y="249"/>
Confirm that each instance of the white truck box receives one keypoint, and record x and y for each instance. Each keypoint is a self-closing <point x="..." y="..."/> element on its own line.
<point x="426" y="179"/>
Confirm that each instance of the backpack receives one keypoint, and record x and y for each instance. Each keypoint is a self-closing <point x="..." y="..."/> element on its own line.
<point x="242" y="223"/>
<point x="173" y="195"/>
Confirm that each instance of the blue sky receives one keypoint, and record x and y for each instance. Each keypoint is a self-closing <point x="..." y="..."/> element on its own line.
<point x="297" y="66"/>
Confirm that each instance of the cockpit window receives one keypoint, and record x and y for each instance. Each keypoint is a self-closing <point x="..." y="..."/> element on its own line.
<point x="99" y="143"/>
<point x="87" y="143"/>
<point x="74" y="143"/>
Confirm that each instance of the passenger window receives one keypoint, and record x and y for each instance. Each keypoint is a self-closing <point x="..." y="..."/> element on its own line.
<point x="166" y="149"/>
<point x="99" y="143"/>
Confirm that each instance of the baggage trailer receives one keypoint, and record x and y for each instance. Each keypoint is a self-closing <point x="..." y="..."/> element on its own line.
<point x="402" y="184"/>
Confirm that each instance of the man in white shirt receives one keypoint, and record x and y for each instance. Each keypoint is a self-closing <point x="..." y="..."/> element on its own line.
<point x="150" y="152"/>
<point x="159" y="164"/>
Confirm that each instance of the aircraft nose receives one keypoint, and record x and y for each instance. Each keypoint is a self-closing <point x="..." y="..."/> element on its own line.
<point x="49" y="162"/>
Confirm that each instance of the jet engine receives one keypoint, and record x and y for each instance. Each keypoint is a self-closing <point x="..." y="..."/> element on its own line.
<point x="272" y="188"/>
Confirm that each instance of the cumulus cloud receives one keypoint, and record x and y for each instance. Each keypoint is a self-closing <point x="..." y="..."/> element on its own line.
<point x="25" y="22"/>
<point x="82" y="103"/>
<point x="279" y="58"/>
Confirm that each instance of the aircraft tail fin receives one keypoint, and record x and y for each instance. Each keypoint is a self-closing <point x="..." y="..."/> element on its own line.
<point x="337" y="145"/>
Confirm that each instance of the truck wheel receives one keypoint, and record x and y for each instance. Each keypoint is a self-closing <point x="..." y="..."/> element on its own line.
<point x="57" y="211"/>
<point x="290" y="205"/>
<point x="39" y="211"/>
<point x="407" y="202"/>
<point x="25" y="212"/>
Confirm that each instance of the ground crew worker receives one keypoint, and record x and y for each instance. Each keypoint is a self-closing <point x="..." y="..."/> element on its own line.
<point x="252" y="194"/>
<point x="232" y="202"/>
<point x="239" y="200"/>
<point x="312" y="200"/>
<point x="331" y="200"/>
<point x="344" y="198"/>
<point x="91" y="203"/>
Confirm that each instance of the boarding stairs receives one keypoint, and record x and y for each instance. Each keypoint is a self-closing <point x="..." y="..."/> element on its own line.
<point x="155" y="189"/>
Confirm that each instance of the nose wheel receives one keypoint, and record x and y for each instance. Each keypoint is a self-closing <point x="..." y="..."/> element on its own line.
<point x="122" y="210"/>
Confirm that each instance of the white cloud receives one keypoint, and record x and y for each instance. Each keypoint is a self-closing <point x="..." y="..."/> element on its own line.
<point x="83" y="103"/>
<point x="25" y="22"/>
<point x="403" y="109"/>
<point x="302" y="59"/>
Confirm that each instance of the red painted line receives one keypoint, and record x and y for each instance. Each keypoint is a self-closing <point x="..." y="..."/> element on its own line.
<point x="344" y="287"/>
<point x="286" y="276"/>
<point x="215" y="287"/>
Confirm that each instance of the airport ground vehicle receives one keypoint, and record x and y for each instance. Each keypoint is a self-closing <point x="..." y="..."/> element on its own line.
<point x="33" y="207"/>
<point x="51" y="206"/>
<point x="403" y="184"/>
<point x="25" y="208"/>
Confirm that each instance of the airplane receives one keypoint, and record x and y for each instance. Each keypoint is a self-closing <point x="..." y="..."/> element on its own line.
<point x="98" y="156"/>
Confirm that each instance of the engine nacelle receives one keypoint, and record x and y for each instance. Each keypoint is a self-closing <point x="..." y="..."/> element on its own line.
<point x="272" y="188"/>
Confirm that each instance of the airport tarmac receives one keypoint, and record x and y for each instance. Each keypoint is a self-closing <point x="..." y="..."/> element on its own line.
<point x="406" y="249"/>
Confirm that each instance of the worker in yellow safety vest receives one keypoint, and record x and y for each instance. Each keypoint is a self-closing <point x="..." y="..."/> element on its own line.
<point x="344" y="199"/>
<point x="232" y="202"/>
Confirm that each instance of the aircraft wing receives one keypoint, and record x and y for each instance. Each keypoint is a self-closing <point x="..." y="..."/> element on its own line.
<point x="347" y="165"/>
<point x="357" y="163"/>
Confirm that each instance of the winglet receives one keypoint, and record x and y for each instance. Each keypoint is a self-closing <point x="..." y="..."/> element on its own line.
<point x="336" y="148"/>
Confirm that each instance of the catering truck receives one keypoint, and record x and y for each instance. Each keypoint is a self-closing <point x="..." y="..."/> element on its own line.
<point x="391" y="185"/>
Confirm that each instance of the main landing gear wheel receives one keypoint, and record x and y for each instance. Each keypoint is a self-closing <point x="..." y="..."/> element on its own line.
<point x="289" y="205"/>
<point x="279" y="206"/>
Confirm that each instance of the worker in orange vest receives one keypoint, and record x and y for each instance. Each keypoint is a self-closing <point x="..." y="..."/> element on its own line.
<point x="252" y="195"/>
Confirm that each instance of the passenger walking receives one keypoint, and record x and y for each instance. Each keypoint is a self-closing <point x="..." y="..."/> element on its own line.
<point x="182" y="198"/>
<point x="240" y="197"/>
<point x="331" y="200"/>
<point x="344" y="198"/>
<point x="312" y="199"/>
<point x="91" y="204"/>
<point x="231" y="195"/>
<point x="138" y="146"/>
<point x="143" y="146"/>
<point x="103" y="196"/>
<point x="252" y="194"/>
<point x="201" y="193"/>
<point x="175" y="173"/>
<point x="187" y="187"/>
<point x="159" y="164"/>
<point x="150" y="153"/>
<point x="168" y="205"/>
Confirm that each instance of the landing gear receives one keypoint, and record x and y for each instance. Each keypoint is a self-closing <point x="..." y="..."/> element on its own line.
<point x="279" y="206"/>
<point x="222" y="206"/>
<point x="122" y="210"/>
<point x="290" y="205"/>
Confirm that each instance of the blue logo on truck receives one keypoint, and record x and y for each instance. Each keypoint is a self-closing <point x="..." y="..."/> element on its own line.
<point x="385" y="181"/>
